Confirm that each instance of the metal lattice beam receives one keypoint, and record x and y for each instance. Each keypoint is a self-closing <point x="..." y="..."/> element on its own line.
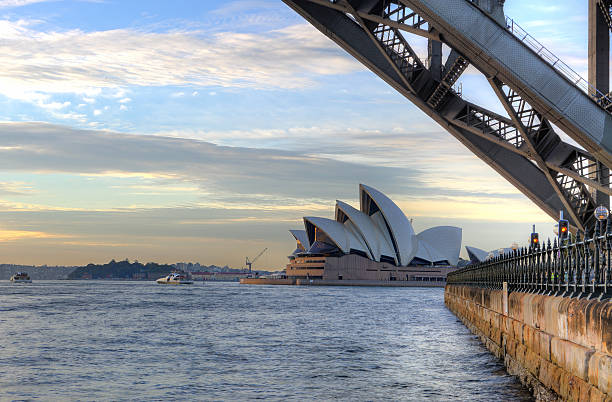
<point x="606" y="10"/>
<point x="539" y="138"/>
<point x="524" y="148"/>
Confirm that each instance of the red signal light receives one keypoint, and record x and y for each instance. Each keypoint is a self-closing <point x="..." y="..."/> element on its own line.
<point x="563" y="230"/>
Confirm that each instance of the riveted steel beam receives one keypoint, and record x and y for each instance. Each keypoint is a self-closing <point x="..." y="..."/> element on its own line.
<point x="605" y="7"/>
<point x="483" y="132"/>
<point x="499" y="52"/>
<point x="538" y="136"/>
<point x="523" y="148"/>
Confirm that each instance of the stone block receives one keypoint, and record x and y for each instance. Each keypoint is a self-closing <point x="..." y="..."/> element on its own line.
<point x="600" y="372"/>
<point x="511" y="348"/>
<point x="534" y="311"/>
<point x="530" y="339"/>
<point x="532" y="363"/>
<point x="497" y="336"/>
<point x="555" y="378"/>
<point x="550" y="376"/>
<point x="564" y="385"/>
<point x="544" y="340"/>
<point x="515" y="305"/>
<point x="517" y="330"/>
<point x="576" y="326"/>
<point x="544" y="376"/>
<point x="596" y="395"/>
<point x="553" y="319"/>
<point x="521" y="350"/>
<point x="585" y="390"/>
<point x="606" y="328"/>
<point x="496" y="301"/>
<point x="571" y="357"/>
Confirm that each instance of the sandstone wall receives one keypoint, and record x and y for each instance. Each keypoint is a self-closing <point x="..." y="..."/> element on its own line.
<point x="561" y="348"/>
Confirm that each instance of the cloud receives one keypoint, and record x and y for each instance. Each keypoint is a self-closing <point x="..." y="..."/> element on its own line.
<point x="246" y="197"/>
<point x="239" y="177"/>
<point x="15" y="188"/>
<point x="226" y="175"/>
<point x="38" y="62"/>
<point x="13" y="235"/>
<point x="18" y="3"/>
<point x="441" y="163"/>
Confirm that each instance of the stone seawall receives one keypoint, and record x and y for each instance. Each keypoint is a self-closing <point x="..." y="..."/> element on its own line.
<point x="560" y="348"/>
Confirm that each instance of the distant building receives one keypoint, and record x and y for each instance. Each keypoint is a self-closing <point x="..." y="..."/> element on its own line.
<point x="376" y="242"/>
<point x="478" y="255"/>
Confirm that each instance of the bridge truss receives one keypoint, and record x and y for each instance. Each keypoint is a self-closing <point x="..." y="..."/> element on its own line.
<point x="538" y="92"/>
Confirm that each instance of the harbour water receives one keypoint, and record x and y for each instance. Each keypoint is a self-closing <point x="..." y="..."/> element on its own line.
<point x="103" y="340"/>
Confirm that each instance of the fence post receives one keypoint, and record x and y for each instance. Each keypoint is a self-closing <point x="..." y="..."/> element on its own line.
<point x="505" y="297"/>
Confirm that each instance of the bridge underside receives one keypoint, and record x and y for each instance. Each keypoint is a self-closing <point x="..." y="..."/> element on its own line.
<point x="523" y="145"/>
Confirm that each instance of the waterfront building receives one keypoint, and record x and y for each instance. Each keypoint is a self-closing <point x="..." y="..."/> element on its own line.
<point x="374" y="243"/>
<point x="478" y="255"/>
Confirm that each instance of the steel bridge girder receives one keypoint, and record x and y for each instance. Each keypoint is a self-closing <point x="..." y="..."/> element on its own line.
<point x="512" y="165"/>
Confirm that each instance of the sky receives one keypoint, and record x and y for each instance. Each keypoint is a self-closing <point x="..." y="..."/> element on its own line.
<point x="204" y="130"/>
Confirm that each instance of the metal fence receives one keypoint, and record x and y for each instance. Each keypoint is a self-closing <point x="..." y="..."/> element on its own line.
<point x="580" y="268"/>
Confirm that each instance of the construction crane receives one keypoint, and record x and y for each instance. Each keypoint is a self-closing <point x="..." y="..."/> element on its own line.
<point x="250" y="262"/>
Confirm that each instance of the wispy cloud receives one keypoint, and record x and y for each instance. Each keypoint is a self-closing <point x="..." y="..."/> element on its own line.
<point x="265" y="179"/>
<point x="19" y="3"/>
<point x="224" y="174"/>
<point x="13" y="235"/>
<point x="36" y="63"/>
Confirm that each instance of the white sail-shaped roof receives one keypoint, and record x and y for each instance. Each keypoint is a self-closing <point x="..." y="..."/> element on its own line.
<point x="372" y="236"/>
<point x="476" y="254"/>
<point x="302" y="238"/>
<point x="343" y="238"/>
<point x="400" y="230"/>
<point x="440" y="243"/>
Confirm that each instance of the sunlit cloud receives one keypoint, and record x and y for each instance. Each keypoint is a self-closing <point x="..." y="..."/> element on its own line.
<point x="38" y="63"/>
<point x="238" y="178"/>
<point x="13" y="235"/>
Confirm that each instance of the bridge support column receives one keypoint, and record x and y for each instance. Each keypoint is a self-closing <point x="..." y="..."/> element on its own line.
<point x="599" y="76"/>
<point x="434" y="50"/>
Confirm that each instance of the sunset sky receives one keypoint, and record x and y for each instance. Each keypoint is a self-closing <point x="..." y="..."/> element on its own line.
<point x="204" y="130"/>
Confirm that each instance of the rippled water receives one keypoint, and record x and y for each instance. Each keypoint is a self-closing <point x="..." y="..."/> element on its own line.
<point x="139" y="340"/>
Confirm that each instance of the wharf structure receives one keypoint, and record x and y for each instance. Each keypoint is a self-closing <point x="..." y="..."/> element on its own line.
<point x="547" y="313"/>
<point x="373" y="245"/>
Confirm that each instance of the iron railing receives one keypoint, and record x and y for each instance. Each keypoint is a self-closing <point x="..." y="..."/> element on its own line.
<point x="581" y="268"/>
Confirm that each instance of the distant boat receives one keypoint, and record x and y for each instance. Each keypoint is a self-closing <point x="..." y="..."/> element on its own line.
<point x="21" y="277"/>
<point x="175" y="278"/>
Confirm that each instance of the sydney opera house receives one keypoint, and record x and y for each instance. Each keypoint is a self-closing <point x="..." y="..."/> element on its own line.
<point x="374" y="243"/>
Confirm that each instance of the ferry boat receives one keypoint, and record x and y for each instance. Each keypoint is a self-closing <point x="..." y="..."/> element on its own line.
<point x="175" y="278"/>
<point x="21" y="277"/>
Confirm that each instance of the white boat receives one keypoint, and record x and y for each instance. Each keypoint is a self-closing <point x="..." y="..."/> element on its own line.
<point x="175" y="278"/>
<point x="21" y="277"/>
